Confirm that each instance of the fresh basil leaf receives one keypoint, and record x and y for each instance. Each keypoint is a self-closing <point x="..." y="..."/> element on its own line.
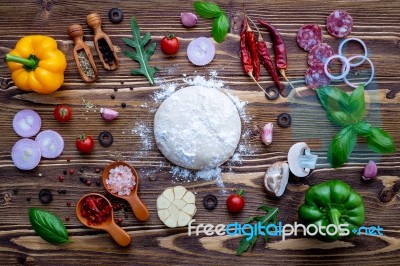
<point x="380" y="141"/>
<point x="335" y="103"/>
<point x="207" y="9"/>
<point x="220" y="28"/>
<point x="48" y="226"/>
<point x="357" y="104"/>
<point x="362" y="128"/>
<point x="341" y="146"/>
<point x="245" y="244"/>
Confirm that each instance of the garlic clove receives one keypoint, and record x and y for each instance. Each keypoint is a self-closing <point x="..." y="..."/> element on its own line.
<point x="370" y="171"/>
<point x="188" y="19"/>
<point x="266" y="133"/>
<point x="108" y="114"/>
<point x="276" y="178"/>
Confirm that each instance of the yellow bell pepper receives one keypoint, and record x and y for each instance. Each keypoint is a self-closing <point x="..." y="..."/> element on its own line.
<point x="36" y="64"/>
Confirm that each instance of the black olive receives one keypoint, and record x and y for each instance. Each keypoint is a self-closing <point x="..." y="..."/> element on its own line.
<point x="45" y="196"/>
<point x="105" y="138"/>
<point x="273" y="93"/>
<point x="210" y="202"/>
<point x="115" y="15"/>
<point x="284" y="120"/>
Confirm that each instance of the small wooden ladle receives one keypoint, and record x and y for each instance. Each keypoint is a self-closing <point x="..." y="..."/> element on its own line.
<point x="117" y="233"/>
<point x="139" y="209"/>
<point x="102" y="42"/>
<point x="81" y="49"/>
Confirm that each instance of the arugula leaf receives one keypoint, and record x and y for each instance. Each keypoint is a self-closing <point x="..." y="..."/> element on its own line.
<point x="220" y="28"/>
<point x="269" y="218"/>
<point x="380" y="141"/>
<point x="341" y="146"/>
<point x="141" y="55"/>
<point x="357" y="104"/>
<point x="207" y="9"/>
<point x="48" y="226"/>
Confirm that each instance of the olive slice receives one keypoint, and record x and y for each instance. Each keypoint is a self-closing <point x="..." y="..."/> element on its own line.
<point x="115" y="15"/>
<point x="210" y="202"/>
<point x="284" y="120"/>
<point x="45" y="196"/>
<point x="105" y="138"/>
<point x="272" y="93"/>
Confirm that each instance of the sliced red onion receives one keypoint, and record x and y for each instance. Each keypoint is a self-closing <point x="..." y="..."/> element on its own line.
<point x="201" y="51"/>
<point x="50" y="143"/>
<point x="27" y="123"/>
<point x="25" y="154"/>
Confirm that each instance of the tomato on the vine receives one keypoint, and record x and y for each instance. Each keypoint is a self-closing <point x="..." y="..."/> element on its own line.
<point x="169" y="44"/>
<point x="84" y="143"/>
<point x="235" y="202"/>
<point x="62" y="113"/>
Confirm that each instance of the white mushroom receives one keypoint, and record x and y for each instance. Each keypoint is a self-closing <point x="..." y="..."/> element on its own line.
<point x="301" y="160"/>
<point x="276" y="178"/>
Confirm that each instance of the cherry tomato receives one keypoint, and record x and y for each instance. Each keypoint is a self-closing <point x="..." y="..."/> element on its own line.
<point x="235" y="202"/>
<point x="62" y="113"/>
<point x="84" y="143"/>
<point x="169" y="44"/>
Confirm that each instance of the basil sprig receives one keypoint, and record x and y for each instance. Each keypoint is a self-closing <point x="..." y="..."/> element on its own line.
<point x="220" y="24"/>
<point x="48" y="226"/>
<point x="348" y="111"/>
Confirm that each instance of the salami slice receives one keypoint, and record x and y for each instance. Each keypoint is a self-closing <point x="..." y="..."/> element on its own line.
<point x="319" y="54"/>
<point x="315" y="77"/>
<point x="308" y="36"/>
<point x="339" y="23"/>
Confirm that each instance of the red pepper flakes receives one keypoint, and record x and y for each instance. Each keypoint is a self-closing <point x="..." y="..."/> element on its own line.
<point x="96" y="210"/>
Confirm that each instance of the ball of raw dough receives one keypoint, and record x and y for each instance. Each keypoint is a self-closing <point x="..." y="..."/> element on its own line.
<point x="197" y="128"/>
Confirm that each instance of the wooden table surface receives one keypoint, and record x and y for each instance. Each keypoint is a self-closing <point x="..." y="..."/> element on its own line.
<point x="376" y="22"/>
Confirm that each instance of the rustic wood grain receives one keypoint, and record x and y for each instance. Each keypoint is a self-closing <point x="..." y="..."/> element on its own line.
<point x="376" y="22"/>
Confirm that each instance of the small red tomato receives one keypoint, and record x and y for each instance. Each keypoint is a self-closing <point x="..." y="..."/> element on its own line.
<point x="62" y="113"/>
<point x="235" y="202"/>
<point x="84" y="143"/>
<point x="169" y="44"/>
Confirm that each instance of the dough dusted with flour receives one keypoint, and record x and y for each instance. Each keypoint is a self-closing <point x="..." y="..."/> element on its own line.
<point x="197" y="128"/>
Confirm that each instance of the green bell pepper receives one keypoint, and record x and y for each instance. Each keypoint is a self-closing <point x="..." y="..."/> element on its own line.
<point x="333" y="202"/>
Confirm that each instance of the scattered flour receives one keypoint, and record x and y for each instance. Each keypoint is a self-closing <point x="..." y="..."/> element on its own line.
<point x="179" y="174"/>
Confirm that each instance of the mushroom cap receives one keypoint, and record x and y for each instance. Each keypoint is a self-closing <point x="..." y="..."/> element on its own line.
<point x="294" y="154"/>
<point x="276" y="178"/>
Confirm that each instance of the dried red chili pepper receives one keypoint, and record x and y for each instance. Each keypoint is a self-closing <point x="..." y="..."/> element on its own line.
<point x="96" y="210"/>
<point x="245" y="57"/>
<point x="279" y="48"/>
<point x="267" y="62"/>
<point x="252" y="46"/>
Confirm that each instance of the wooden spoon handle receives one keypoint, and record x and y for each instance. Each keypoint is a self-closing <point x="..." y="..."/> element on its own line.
<point x="118" y="234"/>
<point x="139" y="209"/>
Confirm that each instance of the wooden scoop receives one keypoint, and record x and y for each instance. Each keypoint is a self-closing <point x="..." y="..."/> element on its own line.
<point x="102" y="42"/>
<point x="139" y="209"/>
<point x="81" y="49"/>
<point x="117" y="233"/>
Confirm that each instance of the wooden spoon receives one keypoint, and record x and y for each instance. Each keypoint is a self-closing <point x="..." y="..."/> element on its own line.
<point x="117" y="233"/>
<point x="139" y="209"/>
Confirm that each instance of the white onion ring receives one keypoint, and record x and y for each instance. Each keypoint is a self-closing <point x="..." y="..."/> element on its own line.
<point x="27" y="123"/>
<point x="372" y="71"/>
<point x="50" y="143"/>
<point x="25" y="154"/>
<point x="356" y="40"/>
<point x="344" y="61"/>
<point x="201" y="51"/>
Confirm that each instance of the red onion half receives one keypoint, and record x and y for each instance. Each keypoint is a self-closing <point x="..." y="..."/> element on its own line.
<point x="50" y="143"/>
<point x="27" y="123"/>
<point x="25" y="154"/>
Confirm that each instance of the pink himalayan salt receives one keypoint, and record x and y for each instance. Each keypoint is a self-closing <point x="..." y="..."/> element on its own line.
<point x="121" y="180"/>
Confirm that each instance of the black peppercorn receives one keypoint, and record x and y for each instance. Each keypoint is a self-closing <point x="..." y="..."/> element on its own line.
<point x="123" y="105"/>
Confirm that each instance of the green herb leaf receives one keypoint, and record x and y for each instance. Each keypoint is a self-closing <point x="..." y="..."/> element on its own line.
<point x="141" y="55"/>
<point x="207" y="9"/>
<point x="220" y="28"/>
<point x="341" y="146"/>
<point x="380" y="141"/>
<point x="270" y="217"/>
<point x="335" y="103"/>
<point x="48" y="226"/>
<point x="356" y="105"/>
<point x="362" y="128"/>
